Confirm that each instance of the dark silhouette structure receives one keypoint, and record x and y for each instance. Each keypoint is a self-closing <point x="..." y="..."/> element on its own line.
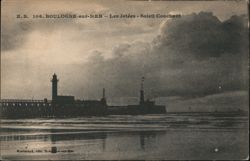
<point x="103" y="100"/>
<point x="142" y="92"/>
<point x="54" y="81"/>
<point x="144" y="107"/>
<point x="59" y="99"/>
<point x="67" y="106"/>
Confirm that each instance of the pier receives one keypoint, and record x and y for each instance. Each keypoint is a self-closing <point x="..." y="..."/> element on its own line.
<point x="66" y="106"/>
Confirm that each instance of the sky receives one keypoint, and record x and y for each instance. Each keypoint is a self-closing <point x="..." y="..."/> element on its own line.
<point x="205" y="52"/>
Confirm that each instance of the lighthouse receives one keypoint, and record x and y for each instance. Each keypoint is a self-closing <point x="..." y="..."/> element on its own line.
<point x="142" y="91"/>
<point x="54" y="81"/>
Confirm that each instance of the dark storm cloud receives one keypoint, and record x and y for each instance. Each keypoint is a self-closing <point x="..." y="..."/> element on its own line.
<point x="203" y="35"/>
<point x="193" y="56"/>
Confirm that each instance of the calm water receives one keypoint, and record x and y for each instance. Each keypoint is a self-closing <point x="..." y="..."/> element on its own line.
<point x="171" y="136"/>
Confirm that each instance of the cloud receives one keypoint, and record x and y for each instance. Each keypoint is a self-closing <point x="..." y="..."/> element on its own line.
<point x="195" y="55"/>
<point x="192" y="56"/>
<point x="203" y="35"/>
<point x="15" y="33"/>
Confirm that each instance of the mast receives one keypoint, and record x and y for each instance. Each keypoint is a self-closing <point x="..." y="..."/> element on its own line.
<point x="103" y="99"/>
<point x="103" y="93"/>
<point x="142" y="91"/>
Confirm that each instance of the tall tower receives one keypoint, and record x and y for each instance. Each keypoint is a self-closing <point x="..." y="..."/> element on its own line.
<point x="103" y="100"/>
<point x="54" y="81"/>
<point x="103" y="93"/>
<point x="142" y="91"/>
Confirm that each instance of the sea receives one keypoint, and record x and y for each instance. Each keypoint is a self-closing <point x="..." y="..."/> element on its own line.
<point x="172" y="136"/>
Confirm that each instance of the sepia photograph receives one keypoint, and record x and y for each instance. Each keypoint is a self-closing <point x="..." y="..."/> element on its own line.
<point x="124" y="80"/>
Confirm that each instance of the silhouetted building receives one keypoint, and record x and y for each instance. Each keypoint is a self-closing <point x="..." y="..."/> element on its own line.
<point x="65" y="99"/>
<point x="54" y="81"/>
<point x="67" y="106"/>
<point x="59" y="99"/>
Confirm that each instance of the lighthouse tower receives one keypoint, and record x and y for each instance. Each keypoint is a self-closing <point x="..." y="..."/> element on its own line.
<point x="54" y="81"/>
<point x="142" y="91"/>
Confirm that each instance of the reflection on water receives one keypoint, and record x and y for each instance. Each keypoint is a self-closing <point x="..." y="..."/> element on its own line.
<point x="147" y="136"/>
<point x="171" y="136"/>
<point x="77" y="136"/>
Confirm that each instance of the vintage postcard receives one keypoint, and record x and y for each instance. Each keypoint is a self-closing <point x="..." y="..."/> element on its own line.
<point x="124" y="80"/>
